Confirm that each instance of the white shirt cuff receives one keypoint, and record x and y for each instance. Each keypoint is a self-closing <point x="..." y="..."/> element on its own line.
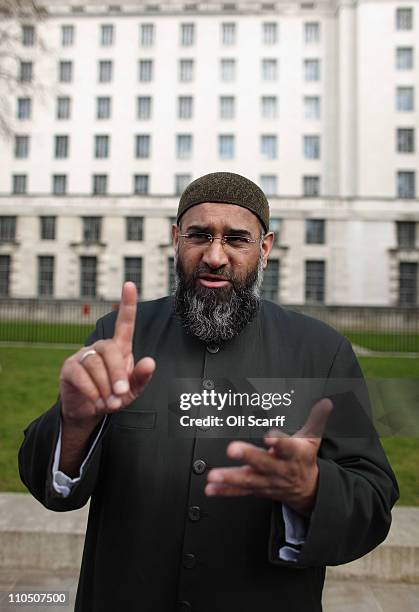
<point x="295" y="534"/>
<point x="61" y="482"/>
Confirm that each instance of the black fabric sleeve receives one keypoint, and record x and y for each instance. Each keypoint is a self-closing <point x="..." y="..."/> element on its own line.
<point x="356" y="491"/>
<point x="36" y="456"/>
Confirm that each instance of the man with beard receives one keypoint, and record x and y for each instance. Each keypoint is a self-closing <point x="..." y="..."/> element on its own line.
<point x="200" y="523"/>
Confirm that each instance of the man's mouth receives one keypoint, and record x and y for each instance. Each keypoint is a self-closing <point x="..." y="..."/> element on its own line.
<point x="212" y="280"/>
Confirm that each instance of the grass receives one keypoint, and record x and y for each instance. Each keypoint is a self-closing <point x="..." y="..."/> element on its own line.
<point x="401" y="342"/>
<point x="25" y="331"/>
<point x="403" y="453"/>
<point x="29" y="383"/>
<point x="68" y="333"/>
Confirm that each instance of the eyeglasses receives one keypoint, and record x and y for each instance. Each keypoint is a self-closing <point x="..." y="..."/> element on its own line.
<point x="236" y="243"/>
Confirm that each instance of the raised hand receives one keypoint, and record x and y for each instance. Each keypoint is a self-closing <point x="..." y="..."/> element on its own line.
<point x="101" y="378"/>
<point x="286" y="472"/>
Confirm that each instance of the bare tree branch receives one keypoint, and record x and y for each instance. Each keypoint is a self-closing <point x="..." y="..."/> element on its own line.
<point x="15" y="14"/>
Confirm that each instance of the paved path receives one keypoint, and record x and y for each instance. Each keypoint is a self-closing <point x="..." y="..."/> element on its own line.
<point x="339" y="595"/>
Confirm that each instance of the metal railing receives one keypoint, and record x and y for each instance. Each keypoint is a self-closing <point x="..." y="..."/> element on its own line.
<point x="376" y="328"/>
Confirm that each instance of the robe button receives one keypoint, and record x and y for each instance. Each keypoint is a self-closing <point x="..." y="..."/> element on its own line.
<point x="199" y="466"/>
<point x="208" y="384"/>
<point x="189" y="560"/>
<point x="194" y="513"/>
<point x="184" y="606"/>
<point x="213" y="348"/>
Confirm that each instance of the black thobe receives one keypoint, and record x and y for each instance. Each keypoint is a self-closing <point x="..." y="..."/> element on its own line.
<point x="154" y="541"/>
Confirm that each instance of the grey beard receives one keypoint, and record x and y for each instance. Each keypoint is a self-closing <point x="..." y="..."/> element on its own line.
<point x="217" y="315"/>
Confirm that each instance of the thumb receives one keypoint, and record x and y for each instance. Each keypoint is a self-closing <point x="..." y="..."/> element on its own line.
<point x="141" y="374"/>
<point x="316" y="423"/>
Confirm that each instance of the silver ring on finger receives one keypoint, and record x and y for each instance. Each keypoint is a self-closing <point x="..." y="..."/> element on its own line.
<point x="87" y="354"/>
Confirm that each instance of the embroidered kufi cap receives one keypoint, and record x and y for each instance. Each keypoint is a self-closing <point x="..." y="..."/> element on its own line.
<point x="226" y="188"/>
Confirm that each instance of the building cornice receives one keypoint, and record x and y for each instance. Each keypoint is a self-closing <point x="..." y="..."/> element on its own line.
<point x="60" y="8"/>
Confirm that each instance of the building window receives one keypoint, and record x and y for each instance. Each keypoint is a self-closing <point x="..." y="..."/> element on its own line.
<point x="226" y="146"/>
<point x="269" y="33"/>
<point x="408" y="283"/>
<point x="47" y="228"/>
<point x="406" y="187"/>
<point x="24" y="108"/>
<point x="187" y="34"/>
<point x="183" y="146"/>
<point x="19" y="184"/>
<point x="405" y="99"/>
<point x="275" y="225"/>
<point x="4" y="275"/>
<point x="406" y="234"/>
<point x="171" y="276"/>
<point x="270" y="285"/>
<point x="145" y="70"/>
<point x="92" y="229"/>
<point x="134" y="228"/>
<point x="105" y="71"/>
<point x="404" y="58"/>
<point x="312" y="70"/>
<point x="312" y="147"/>
<point x="186" y="70"/>
<point x="28" y="36"/>
<point x="45" y="275"/>
<point x="106" y="35"/>
<point x="100" y="184"/>
<point x="405" y="140"/>
<point x="63" y="107"/>
<point x="142" y="145"/>
<point x="269" y="69"/>
<point x="144" y="107"/>
<point x="67" y="35"/>
<point x="21" y="147"/>
<point x="61" y="147"/>
<point x="311" y="186"/>
<point x="228" y="70"/>
<point x="59" y="184"/>
<point x="65" y="71"/>
<point x="404" y="19"/>
<point x="103" y="108"/>
<point x="147" y="34"/>
<point x="315" y="281"/>
<point x="312" y="107"/>
<point x="312" y="32"/>
<point x="185" y="107"/>
<point x="228" y="33"/>
<point x="141" y="184"/>
<point x="26" y="72"/>
<point x="315" y="233"/>
<point x="268" y="146"/>
<point x="269" y="107"/>
<point x="133" y="271"/>
<point x="181" y="182"/>
<point x="227" y="107"/>
<point x="88" y="276"/>
<point x="101" y="146"/>
<point x="268" y="183"/>
<point x="7" y="228"/>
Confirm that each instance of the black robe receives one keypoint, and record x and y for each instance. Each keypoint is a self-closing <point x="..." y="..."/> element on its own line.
<point x="154" y="541"/>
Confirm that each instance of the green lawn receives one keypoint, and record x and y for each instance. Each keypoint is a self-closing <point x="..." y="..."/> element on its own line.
<point x="391" y="342"/>
<point x="29" y="383"/>
<point x="25" y="331"/>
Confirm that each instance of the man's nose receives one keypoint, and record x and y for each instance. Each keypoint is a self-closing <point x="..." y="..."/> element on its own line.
<point x="214" y="255"/>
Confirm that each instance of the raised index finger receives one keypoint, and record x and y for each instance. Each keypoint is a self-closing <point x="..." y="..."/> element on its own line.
<point x="125" y="322"/>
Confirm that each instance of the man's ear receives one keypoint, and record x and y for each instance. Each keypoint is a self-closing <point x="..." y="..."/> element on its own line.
<point x="267" y="244"/>
<point x="175" y="235"/>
